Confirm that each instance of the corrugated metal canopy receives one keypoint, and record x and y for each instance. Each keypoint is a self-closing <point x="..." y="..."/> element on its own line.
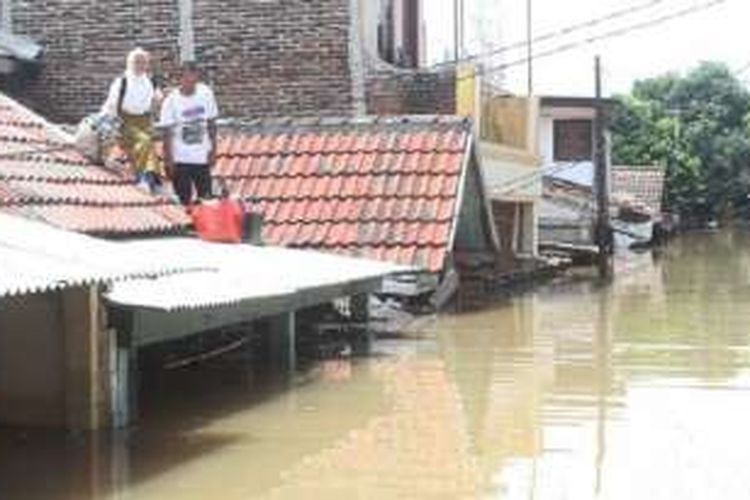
<point x="35" y="257"/>
<point x="244" y="274"/>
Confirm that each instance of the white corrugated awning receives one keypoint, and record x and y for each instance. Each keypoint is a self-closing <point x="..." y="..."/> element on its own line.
<point x="244" y="275"/>
<point x="36" y="257"/>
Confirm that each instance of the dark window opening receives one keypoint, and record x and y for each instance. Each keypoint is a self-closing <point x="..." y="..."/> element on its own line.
<point x="386" y="35"/>
<point x="573" y="140"/>
<point x="404" y="54"/>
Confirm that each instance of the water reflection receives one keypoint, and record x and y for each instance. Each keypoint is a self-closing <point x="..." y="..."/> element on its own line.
<point x="636" y="390"/>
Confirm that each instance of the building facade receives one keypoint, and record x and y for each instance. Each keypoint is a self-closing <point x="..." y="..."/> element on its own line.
<point x="292" y="58"/>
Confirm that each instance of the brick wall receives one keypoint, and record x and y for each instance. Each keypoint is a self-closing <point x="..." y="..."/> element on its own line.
<point x="284" y="57"/>
<point x="288" y="57"/>
<point x="86" y="42"/>
<point x="421" y="92"/>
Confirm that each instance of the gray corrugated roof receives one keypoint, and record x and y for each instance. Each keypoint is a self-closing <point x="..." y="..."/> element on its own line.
<point x="35" y="257"/>
<point x="242" y="275"/>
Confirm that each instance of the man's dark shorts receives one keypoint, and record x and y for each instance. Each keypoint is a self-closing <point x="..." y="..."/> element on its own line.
<point x="186" y="177"/>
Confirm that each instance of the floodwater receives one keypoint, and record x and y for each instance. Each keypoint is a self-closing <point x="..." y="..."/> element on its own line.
<point x="638" y="390"/>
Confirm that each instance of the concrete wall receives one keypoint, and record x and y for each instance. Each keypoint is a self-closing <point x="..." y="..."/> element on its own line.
<point x="513" y="177"/>
<point x="53" y="360"/>
<point x="510" y="121"/>
<point x="392" y="92"/>
<point x="474" y="231"/>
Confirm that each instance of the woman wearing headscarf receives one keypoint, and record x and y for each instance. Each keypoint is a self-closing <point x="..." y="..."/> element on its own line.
<point x="133" y="98"/>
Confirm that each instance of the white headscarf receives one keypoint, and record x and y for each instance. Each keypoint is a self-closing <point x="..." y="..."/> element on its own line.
<point x="133" y="55"/>
<point x="140" y="93"/>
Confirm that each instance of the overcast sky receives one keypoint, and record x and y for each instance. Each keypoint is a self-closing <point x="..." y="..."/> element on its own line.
<point x="720" y="33"/>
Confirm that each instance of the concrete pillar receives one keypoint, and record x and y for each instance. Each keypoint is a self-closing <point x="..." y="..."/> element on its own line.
<point x="363" y="338"/>
<point x="283" y="340"/>
<point x="357" y="67"/>
<point x="86" y="364"/>
<point x="123" y="356"/>
<point x="186" y="40"/>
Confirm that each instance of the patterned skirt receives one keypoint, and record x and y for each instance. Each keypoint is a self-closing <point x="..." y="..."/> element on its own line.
<point x="137" y="139"/>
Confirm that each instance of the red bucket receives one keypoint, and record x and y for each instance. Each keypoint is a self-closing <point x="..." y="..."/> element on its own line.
<point x="219" y="221"/>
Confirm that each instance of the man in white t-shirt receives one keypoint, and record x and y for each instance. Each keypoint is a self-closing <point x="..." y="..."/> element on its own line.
<point x="188" y="117"/>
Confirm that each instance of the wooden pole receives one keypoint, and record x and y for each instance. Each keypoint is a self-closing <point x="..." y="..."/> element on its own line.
<point x="603" y="229"/>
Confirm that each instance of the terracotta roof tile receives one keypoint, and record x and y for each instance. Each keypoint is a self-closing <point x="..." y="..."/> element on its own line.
<point x="379" y="189"/>
<point x="42" y="177"/>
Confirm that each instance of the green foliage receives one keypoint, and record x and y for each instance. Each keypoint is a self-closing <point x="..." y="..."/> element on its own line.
<point x="698" y="127"/>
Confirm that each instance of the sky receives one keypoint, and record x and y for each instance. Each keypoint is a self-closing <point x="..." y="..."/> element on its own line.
<point x="721" y="33"/>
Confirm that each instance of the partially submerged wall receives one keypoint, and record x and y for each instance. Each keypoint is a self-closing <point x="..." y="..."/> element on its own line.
<point x="53" y="360"/>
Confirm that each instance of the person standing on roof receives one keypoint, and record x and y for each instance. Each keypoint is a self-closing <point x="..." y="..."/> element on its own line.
<point x="133" y="98"/>
<point x="188" y="118"/>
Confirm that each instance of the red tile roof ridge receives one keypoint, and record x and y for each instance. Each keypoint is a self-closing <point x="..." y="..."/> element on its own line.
<point x="103" y="180"/>
<point x="25" y="200"/>
<point x="638" y="168"/>
<point x="336" y="122"/>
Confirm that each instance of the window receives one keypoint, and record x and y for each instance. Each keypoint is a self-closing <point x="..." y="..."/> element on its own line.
<point x="386" y="35"/>
<point x="573" y="140"/>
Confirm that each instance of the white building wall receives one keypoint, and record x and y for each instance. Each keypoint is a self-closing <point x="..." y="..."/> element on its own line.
<point x="546" y="128"/>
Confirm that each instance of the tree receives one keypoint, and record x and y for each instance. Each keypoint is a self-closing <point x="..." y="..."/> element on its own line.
<point x="697" y="127"/>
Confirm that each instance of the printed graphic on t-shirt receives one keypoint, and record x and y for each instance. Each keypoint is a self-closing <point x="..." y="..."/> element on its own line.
<point x="194" y="130"/>
<point x="193" y="133"/>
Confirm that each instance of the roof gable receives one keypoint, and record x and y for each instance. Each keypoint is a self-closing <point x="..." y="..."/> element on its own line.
<point x="382" y="188"/>
<point x="42" y="177"/>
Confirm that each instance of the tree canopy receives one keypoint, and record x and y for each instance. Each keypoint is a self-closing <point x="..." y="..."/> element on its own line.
<point x="697" y="127"/>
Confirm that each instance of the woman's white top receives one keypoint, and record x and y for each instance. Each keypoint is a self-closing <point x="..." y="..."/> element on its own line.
<point x="139" y="95"/>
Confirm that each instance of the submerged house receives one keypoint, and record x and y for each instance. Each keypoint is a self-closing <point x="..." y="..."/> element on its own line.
<point x="70" y="332"/>
<point x="636" y="196"/>
<point x="55" y="344"/>
<point x="567" y="150"/>
<point x="406" y="190"/>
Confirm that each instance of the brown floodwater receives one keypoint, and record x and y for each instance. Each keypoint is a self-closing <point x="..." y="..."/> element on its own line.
<point x="637" y="390"/>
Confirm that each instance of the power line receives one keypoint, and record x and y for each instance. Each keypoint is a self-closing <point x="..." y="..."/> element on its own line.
<point x="565" y="31"/>
<point x="610" y="34"/>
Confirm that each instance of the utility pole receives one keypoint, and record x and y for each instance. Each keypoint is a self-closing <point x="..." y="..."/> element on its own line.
<point x="456" y="36"/>
<point x="530" y="47"/>
<point x="603" y="228"/>
<point x="458" y="27"/>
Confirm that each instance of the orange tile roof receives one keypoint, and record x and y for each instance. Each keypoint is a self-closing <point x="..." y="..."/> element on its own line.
<point x="42" y="177"/>
<point x="383" y="188"/>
